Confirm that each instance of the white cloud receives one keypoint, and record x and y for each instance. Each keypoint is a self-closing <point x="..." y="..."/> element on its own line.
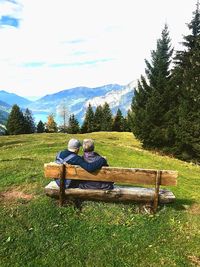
<point x="9" y="8"/>
<point x="117" y="35"/>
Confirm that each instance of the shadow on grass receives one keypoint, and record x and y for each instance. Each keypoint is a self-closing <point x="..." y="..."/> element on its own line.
<point x="181" y="204"/>
<point x="27" y="159"/>
<point x="137" y="206"/>
<point x="12" y="143"/>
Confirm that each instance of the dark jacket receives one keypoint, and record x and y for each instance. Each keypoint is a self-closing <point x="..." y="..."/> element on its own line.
<point x="93" y="157"/>
<point x="72" y="158"/>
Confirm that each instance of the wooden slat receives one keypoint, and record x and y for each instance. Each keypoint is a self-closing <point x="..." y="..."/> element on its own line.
<point x="117" y="194"/>
<point x="53" y="170"/>
<point x="112" y="174"/>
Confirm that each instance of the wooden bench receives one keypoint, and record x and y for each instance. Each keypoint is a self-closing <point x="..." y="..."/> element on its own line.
<point x="128" y="176"/>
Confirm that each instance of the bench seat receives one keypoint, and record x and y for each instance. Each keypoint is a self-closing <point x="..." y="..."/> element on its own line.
<point x="118" y="194"/>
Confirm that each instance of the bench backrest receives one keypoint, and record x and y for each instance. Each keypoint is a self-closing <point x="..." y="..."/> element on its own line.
<point x="112" y="174"/>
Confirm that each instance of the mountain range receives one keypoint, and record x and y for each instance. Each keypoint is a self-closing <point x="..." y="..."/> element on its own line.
<point x="12" y="99"/>
<point x="75" y="99"/>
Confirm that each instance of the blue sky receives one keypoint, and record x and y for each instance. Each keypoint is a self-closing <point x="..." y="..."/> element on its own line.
<point x="9" y="21"/>
<point x="47" y="46"/>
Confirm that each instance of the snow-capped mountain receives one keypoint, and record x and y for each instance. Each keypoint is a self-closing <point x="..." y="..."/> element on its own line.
<point x="75" y="99"/>
<point x="116" y="98"/>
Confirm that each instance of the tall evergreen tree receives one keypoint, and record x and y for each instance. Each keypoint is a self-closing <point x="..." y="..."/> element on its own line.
<point x="51" y="125"/>
<point x="88" y="124"/>
<point x="73" y="125"/>
<point x="40" y="127"/>
<point x="98" y="115"/>
<point x="126" y="125"/>
<point x="29" y="122"/>
<point x="129" y="119"/>
<point x="118" y="122"/>
<point x="151" y="103"/>
<point x="16" y="122"/>
<point x="106" y="124"/>
<point x="186" y="77"/>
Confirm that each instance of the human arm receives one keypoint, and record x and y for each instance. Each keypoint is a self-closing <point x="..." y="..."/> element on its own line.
<point x="90" y="167"/>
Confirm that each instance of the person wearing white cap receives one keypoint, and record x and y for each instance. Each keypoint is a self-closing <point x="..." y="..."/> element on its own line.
<point x="71" y="156"/>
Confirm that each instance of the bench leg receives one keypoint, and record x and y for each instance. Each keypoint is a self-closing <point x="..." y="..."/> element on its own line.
<point x="157" y="187"/>
<point x="62" y="188"/>
<point x="78" y="204"/>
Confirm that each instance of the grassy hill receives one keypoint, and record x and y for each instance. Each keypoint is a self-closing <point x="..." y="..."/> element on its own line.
<point x="36" y="232"/>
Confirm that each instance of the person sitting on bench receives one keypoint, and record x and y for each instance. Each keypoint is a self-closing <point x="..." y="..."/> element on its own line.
<point x="91" y="156"/>
<point x="71" y="156"/>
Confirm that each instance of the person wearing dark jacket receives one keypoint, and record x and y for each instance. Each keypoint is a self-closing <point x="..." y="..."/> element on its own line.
<point x="91" y="156"/>
<point x="71" y="156"/>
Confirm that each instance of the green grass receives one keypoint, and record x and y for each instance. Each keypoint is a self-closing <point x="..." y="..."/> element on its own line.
<point x="37" y="232"/>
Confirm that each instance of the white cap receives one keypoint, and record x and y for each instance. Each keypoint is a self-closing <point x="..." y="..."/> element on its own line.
<point x="73" y="144"/>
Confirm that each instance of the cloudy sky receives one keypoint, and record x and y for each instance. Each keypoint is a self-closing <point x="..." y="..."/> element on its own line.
<point x="50" y="45"/>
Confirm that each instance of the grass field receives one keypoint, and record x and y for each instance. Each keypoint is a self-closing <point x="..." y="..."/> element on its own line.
<point x="36" y="232"/>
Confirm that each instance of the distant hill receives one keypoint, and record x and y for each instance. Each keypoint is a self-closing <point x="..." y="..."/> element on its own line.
<point x="4" y="105"/>
<point x="76" y="99"/>
<point x="4" y="111"/>
<point x="12" y="99"/>
<point x="2" y="129"/>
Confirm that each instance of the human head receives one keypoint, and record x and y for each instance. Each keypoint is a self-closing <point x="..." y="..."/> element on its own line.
<point x="74" y="145"/>
<point x="88" y="145"/>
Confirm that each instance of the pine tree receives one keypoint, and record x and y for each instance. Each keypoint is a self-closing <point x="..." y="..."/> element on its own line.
<point x="73" y="125"/>
<point x="151" y="104"/>
<point x="98" y="118"/>
<point x="16" y="122"/>
<point x="130" y="119"/>
<point x="126" y="125"/>
<point x="186" y="77"/>
<point x="118" y="122"/>
<point x="106" y="118"/>
<point x="51" y="126"/>
<point x="40" y="127"/>
<point x="88" y="124"/>
<point x="29" y="122"/>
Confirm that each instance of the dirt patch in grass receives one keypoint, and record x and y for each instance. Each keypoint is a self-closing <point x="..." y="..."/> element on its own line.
<point x="15" y="195"/>
<point x="195" y="209"/>
<point x="195" y="260"/>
